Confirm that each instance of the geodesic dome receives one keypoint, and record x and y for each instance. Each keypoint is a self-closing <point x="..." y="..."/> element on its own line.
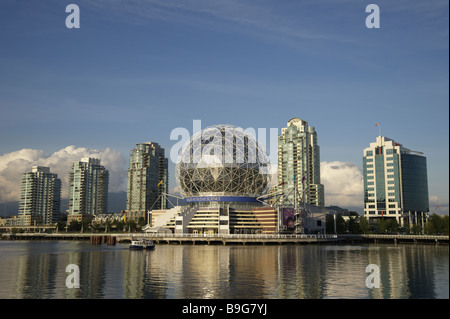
<point x="223" y="160"/>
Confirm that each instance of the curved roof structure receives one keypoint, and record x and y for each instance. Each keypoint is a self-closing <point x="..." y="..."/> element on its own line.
<point x="223" y="160"/>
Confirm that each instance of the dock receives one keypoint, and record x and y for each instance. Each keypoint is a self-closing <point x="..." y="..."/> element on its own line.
<point x="234" y="239"/>
<point x="239" y="239"/>
<point x="191" y="239"/>
<point x="393" y="238"/>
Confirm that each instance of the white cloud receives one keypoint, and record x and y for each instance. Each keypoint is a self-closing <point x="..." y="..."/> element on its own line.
<point x="343" y="183"/>
<point x="14" y="164"/>
<point x="438" y="205"/>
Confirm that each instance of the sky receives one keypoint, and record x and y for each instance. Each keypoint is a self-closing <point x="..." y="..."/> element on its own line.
<point x="134" y="71"/>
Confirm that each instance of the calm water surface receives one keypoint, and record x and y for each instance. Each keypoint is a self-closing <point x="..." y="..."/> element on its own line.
<point x="37" y="269"/>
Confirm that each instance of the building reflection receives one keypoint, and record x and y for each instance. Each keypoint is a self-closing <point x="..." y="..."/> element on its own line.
<point x="218" y="272"/>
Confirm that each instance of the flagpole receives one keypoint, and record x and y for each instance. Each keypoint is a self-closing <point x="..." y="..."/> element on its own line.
<point x="379" y="127"/>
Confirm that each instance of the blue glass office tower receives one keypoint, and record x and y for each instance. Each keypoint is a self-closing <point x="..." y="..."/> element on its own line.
<point x="395" y="183"/>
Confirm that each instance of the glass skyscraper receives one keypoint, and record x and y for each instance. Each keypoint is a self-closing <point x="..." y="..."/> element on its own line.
<point x="40" y="197"/>
<point x="395" y="183"/>
<point x="148" y="180"/>
<point x="299" y="162"/>
<point x="88" y="189"/>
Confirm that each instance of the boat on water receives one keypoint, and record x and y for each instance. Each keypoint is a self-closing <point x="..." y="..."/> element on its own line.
<point x="142" y="244"/>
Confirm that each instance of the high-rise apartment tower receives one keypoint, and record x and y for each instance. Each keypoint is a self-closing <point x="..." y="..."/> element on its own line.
<point x="148" y="180"/>
<point x="88" y="188"/>
<point x="299" y="162"/>
<point x="40" y="197"/>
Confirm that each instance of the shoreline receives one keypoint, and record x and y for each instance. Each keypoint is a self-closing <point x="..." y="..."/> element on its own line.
<point x="236" y="239"/>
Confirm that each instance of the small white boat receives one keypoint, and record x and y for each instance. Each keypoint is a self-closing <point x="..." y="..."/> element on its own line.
<point x="142" y="244"/>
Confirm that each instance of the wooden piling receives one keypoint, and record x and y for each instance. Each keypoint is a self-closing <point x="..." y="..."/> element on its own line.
<point x="111" y="241"/>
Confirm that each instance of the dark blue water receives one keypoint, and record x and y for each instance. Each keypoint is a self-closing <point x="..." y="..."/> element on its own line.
<point x="37" y="269"/>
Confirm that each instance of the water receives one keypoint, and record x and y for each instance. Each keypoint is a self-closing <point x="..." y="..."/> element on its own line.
<point x="37" y="269"/>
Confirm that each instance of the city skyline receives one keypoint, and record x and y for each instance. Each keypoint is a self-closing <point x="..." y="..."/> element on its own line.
<point x="134" y="71"/>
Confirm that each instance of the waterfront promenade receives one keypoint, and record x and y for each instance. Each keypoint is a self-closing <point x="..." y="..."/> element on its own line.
<point x="228" y="239"/>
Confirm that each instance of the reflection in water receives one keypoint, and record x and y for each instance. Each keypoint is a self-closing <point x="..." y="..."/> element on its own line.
<point x="37" y="270"/>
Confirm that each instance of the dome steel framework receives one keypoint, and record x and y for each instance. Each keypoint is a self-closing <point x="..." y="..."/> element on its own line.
<point x="223" y="160"/>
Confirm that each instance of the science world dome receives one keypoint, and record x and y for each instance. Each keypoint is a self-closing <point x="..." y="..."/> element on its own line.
<point x="221" y="161"/>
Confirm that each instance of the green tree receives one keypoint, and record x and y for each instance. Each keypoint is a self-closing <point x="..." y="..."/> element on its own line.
<point x="437" y="224"/>
<point x="141" y="221"/>
<point x="74" y="226"/>
<point x="445" y="222"/>
<point x="364" y="225"/>
<point x="416" y="229"/>
<point x="329" y="223"/>
<point x="387" y="226"/>
<point x="85" y="225"/>
<point x="340" y="225"/>
<point x="353" y="226"/>
<point x="130" y="226"/>
<point x="118" y="225"/>
<point x="61" y="225"/>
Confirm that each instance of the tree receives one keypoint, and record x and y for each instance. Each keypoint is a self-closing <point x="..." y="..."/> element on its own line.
<point x="437" y="225"/>
<point x="387" y="226"/>
<point x="130" y="226"/>
<point x="416" y="229"/>
<point x="445" y="222"/>
<point x="329" y="223"/>
<point x="353" y="226"/>
<point x="61" y="225"/>
<point x="74" y="226"/>
<point x="364" y="225"/>
<point x="141" y="221"/>
<point x="340" y="225"/>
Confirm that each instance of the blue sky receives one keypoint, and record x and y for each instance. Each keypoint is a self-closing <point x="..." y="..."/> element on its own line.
<point x="135" y="70"/>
